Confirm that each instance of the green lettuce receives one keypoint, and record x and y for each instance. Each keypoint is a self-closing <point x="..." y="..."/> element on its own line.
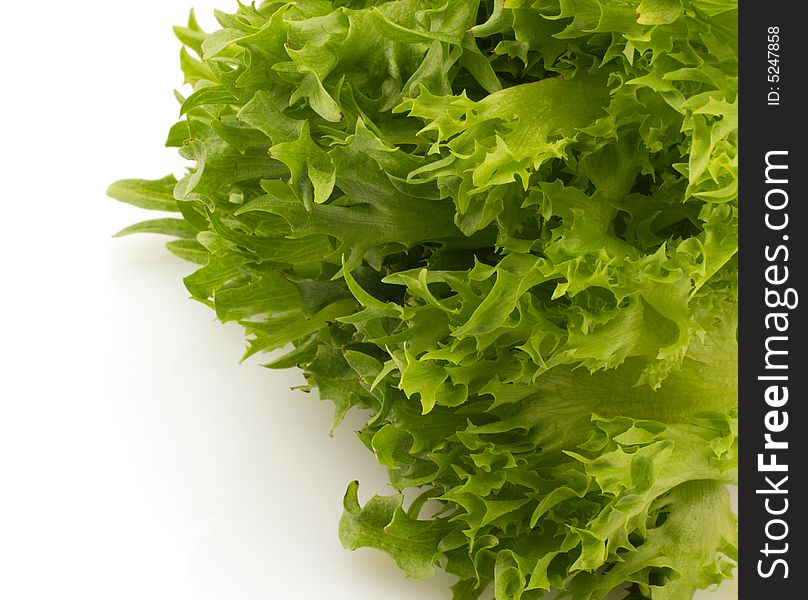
<point x="506" y="229"/>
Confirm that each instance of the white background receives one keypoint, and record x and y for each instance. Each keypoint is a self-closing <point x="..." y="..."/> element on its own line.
<point x="138" y="458"/>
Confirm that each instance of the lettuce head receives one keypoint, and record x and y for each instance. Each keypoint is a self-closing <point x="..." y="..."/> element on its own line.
<point x="505" y="229"/>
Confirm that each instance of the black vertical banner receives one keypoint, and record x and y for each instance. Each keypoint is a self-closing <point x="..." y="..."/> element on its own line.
<point x="773" y="300"/>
